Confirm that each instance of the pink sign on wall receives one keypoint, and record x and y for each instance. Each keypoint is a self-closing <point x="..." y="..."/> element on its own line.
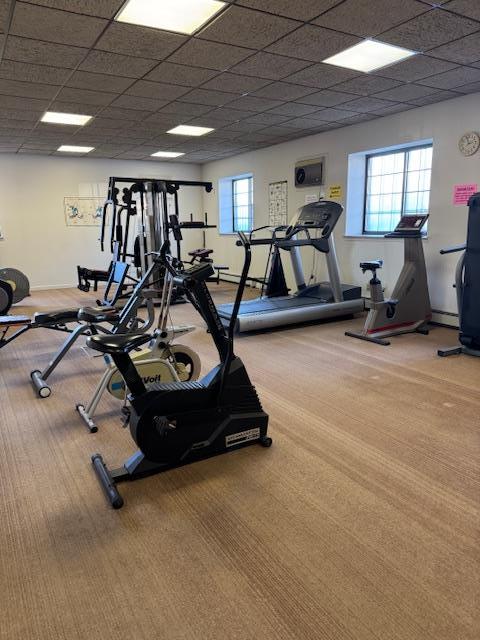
<point x="462" y="193"/>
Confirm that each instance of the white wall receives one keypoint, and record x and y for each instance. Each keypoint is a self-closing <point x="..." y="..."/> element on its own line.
<point x="444" y="122"/>
<point x="36" y="238"/>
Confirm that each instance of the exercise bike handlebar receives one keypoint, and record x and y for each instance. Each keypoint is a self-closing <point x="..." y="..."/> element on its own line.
<point x="455" y="249"/>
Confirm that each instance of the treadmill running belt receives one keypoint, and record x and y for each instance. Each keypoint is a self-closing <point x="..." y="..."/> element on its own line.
<point x="264" y="305"/>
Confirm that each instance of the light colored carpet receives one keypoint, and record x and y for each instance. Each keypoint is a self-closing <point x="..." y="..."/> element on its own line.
<point x="361" y="522"/>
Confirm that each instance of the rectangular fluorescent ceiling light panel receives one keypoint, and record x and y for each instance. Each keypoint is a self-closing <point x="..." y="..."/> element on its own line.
<point x="55" y="117"/>
<point x="167" y="154"/>
<point x="369" y="55"/>
<point x="187" y="130"/>
<point x="182" y="16"/>
<point x="72" y="149"/>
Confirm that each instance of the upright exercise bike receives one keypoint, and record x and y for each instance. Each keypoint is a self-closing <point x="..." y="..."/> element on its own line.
<point x="408" y="310"/>
<point x="176" y="423"/>
<point x="467" y="285"/>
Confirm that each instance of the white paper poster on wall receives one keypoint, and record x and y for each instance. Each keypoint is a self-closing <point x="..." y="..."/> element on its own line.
<point x="83" y="212"/>
<point x="277" y="203"/>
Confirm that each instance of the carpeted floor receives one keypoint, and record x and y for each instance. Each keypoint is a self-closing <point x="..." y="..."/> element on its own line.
<point x="360" y="523"/>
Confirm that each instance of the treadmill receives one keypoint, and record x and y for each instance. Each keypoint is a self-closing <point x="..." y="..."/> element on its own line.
<point x="312" y="226"/>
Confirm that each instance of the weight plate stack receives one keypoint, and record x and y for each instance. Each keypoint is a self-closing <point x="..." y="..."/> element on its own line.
<point x="18" y="281"/>
<point x="6" y="297"/>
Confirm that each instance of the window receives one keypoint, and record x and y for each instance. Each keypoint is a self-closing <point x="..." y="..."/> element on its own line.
<point x="236" y="203"/>
<point x="397" y="183"/>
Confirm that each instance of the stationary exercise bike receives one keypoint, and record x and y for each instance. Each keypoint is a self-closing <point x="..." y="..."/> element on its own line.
<point x="408" y="310"/>
<point x="467" y="285"/>
<point x="160" y="361"/>
<point x="176" y="423"/>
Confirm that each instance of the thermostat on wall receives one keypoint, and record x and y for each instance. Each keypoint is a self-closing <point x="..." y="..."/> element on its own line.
<point x="310" y="172"/>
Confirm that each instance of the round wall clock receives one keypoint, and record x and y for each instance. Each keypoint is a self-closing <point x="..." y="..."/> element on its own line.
<point x="469" y="143"/>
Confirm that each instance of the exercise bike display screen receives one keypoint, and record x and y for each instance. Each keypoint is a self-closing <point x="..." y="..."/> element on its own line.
<point x="411" y="222"/>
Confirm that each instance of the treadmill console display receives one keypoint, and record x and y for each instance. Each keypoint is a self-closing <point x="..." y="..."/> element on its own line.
<point x="318" y="215"/>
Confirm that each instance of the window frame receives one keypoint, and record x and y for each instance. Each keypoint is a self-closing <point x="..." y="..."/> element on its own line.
<point x="235" y="206"/>
<point x="392" y="151"/>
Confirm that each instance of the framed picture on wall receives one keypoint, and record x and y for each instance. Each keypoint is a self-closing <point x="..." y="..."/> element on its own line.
<point x="83" y="212"/>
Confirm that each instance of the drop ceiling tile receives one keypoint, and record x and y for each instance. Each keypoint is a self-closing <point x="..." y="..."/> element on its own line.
<point x="430" y="30"/>
<point x="28" y="89"/>
<point x="181" y="75"/>
<point x="105" y="126"/>
<point x="222" y="134"/>
<point x="473" y="87"/>
<point x="279" y="130"/>
<point x="468" y="8"/>
<point x="366" y="84"/>
<point x="327" y="98"/>
<point x="99" y="8"/>
<point x="7" y="124"/>
<point x="136" y="102"/>
<point x="476" y="64"/>
<point x="118" y="113"/>
<point x="196" y="155"/>
<point x="74" y="107"/>
<point x="452" y="79"/>
<point x="404" y="93"/>
<point x="303" y="10"/>
<point x="40" y="146"/>
<point x="233" y="83"/>
<point x="203" y="96"/>
<point x="438" y="96"/>
<point x="365" y="105"/>
<point x="393" y="108"/>
<point x="208" y="120"/>
<point x="464" y="51"/>
<point x="244" y="127"/>
<point x="415" y="68"/>
<point x="42" y="23"/>
<point x="33" y="152"/>
<point x="284" y="91"/>
<point x="252" y="103"/>
<point x="183" y="109"/>
<point x="131" y="155"/>
<point x="361" y="117"/>
<point x="32" y="73"/>
<point x="269" y="66"/>
<point x="116" y="64"/>
<point x="211" y="55"/>
<point x="304" y="123"/>
<point x="45" y="53"/>
<point x="98" y="81"/>
<point x="156" y="90"/>
<point x="321" y="76"/>
<point x="68" y="94"/>
<point x="147" y="43"/>
<point x="266" y="118"/>
<point x="313" y="43"/>
<point x="229" y="115"/>
<point x="246" y="28"/>
<point x="293" y="109"/>
<point x="369" y="17"/>
<point x="332" y="114"/>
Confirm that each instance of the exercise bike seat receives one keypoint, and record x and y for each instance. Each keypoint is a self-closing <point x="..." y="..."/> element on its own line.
<point x="55" y="317"/>
<point x="121" y="343"/>
<point x="371" y="265"/>
<point x="95" y="315"/>
<point x="200" y="253"/>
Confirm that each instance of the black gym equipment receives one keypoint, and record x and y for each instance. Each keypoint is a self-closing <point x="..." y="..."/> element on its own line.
<point x="467" y="285"/>
<point x="177" y="423"/>
<point x="14" y="287"/>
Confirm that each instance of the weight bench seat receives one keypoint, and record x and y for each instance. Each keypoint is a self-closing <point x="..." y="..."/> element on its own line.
<point x="121" y="343"/>
<point x="55" y="317"/>
<point x="96" y="315"/>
